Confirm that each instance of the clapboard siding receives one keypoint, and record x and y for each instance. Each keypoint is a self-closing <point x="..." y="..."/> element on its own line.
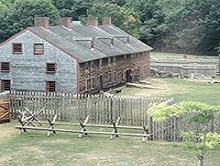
<point x="28" y="70"/>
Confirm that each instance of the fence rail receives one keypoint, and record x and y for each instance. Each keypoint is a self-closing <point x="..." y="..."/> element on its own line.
<point x="71" y="108"/>
<point x="101" y="110"/>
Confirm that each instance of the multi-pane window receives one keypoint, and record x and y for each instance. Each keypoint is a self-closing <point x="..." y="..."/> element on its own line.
<point x="88" y="84"/>
<point x="122" y="76"/>
<point x="104" y="61"/>
<point x="38" y="48"/>
<point x="51" y="86"/>
<point x="5" y="67"/>
<point x="114" y="76"/>
<point x="5" y="85"/>
<point x="17" y="48"/>
<point x="109" y="77"/>
<point x="51" y="68"/>
<point x="92" y="82"/>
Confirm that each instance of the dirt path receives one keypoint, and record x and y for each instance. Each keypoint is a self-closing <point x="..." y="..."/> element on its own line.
<point x="164" y="88"/>
<point x="7" y="130"/>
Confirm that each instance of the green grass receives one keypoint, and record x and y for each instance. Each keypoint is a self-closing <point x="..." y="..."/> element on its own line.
<point x="35" y="148"/>
<point x="180" y="89"/>
<point x="196" y="91"/>
<point x="176" y="56"/>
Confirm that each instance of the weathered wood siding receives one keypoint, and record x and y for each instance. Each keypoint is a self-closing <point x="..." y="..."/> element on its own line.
<point x="28" y="70"/>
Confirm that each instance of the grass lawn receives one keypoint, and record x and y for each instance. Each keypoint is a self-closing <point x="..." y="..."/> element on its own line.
<point x="196" y="91"/>
<point x="35" y="148"/>
<point x="180" y="89"/>
<point x="176" y="56"/>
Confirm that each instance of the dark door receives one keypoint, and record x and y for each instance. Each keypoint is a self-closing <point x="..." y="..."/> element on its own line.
<point x="128" y="75"/>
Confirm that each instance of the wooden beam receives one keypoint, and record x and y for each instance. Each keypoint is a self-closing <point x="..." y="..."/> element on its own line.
<point x="115" y="128"/>
<point x="83" y="126"/>
<point x="52" y="124"/>
<point x="96" y="125"/>
<point x="146" y="131"/>
<point x="22" y="124"/>
<point x="4" y="115"/>
<point x="76" y="131"/>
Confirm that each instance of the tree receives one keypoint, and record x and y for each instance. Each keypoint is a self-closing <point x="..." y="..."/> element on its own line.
<point x="120" y="16"/>
<point x="4" y="9"/>
<point x="22" y="14"/>
<point x="200" y="140"/>
<point x="197" y="29"/>
<point x="73" y="8"/>
<point x="152" y="20"/>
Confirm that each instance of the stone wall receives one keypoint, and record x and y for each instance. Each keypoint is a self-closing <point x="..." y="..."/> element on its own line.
<point x="186" y="70"/>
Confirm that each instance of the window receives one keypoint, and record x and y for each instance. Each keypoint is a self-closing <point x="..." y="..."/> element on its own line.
<point x="88" y="84"/>
<point x="17" y="48"/>
<point x="111" y="60"/>
<point x="38" y="49"/>
<point x="114" y="76"/>
<point x="96" y="63"/>
<point x="138" y="71"/>
<point x="128" y="56"/>
<point x="93" y="82"/>
<point x="122" y="76"/>
<point x="5" y="85"/>
<point x="50" y="86"/>
<point x="5" y="67"/>
<point x="109" y="77"/>
<point x="119" y="57"/>
<point x="104" y="61"/>
<point x="50" y="68"/>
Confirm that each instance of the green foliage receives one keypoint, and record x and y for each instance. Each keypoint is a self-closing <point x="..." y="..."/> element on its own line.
<point x="120" y="16"/>
<point x="202" y="140"/>
<point x="203" y="112"/>
<point x="22" y="14"/>
<point x="152" y="20"/>
<point x="185" y="26"/>
<point x="161" y="112"/>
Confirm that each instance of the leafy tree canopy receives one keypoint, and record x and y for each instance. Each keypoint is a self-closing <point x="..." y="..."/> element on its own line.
<point x="184" y="26"/>
<point x="22" y="15"/>
<point x="200" y="114"/>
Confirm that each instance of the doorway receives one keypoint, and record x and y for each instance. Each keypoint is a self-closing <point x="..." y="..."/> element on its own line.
<point x="128" y="75"/>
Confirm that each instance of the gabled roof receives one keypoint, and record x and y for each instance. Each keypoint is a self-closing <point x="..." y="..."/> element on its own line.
<point x="76" y="41"/>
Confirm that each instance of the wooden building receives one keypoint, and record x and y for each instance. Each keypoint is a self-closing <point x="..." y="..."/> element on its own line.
<point x="72" y="57"/>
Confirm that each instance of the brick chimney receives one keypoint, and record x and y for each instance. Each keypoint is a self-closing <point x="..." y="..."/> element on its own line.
<point x="66" y="21"/>
<point x="106" y="20"/>
<point x="41" y="22"/>
<point x="92" y="21"/>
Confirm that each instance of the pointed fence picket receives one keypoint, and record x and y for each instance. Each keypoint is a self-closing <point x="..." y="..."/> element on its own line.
<point x="75" y="108"/>
<point x="99" y="108"/>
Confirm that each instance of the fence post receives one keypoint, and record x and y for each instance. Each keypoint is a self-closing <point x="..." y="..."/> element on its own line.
<point x="150" y="124"/>
<point x="111" y="109"/>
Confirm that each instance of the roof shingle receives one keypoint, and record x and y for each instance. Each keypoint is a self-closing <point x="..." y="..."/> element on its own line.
<point x="76" y="41"/>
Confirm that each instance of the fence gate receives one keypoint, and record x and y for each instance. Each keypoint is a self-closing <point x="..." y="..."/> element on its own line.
<point x="4" y="110"/>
